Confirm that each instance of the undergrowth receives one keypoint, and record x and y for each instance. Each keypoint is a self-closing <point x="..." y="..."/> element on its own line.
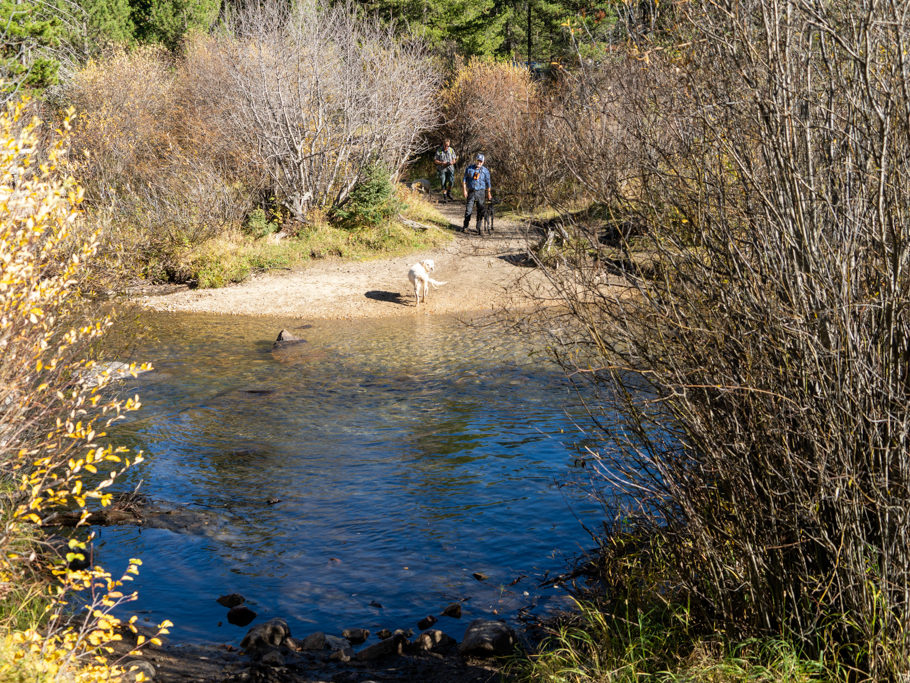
<point x="596" y="645"/>
<point x="236" y="253"/>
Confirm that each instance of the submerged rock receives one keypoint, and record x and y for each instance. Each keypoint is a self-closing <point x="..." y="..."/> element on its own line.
<point x="426" y="622"/>
<point x="356" y="635"/>
<point x="240" y="615"/>
<point x="314" y="641"/>
<point x="114" y="370"/>
<point x="453" y="610"/>
<point x="434" y="639"/>
<point x="390" y="646"/>
<point x="286" y="338"/>
<point x="231" y="600"/>
<point x="336" y="643"/>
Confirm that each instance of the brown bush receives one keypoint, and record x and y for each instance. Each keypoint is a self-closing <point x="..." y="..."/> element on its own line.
<point x="123" y="101"/>
<point x="754" y="373"/>
<point x="156" y="171"/>
<point x="494" y="107"/>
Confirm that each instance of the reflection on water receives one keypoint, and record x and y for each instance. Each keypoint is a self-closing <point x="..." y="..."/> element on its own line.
<point x="406" y="455"/>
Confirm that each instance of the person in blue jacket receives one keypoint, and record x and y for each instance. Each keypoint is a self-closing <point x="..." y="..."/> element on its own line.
<point x="478" y="188"/>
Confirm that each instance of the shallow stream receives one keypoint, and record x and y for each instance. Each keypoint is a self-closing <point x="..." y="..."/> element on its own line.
<point x="405" y="455"/>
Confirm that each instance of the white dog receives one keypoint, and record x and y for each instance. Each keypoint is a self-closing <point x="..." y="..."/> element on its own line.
<point x="419" y="275"/>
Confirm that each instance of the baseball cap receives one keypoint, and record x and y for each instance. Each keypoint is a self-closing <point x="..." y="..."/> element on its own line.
<point x="480" y="157"/>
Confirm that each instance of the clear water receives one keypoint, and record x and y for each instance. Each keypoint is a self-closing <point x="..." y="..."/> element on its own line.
<point x="407" y="454"/>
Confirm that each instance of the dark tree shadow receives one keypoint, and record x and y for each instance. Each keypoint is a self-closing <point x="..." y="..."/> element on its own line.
<point x="391" y="297"/>
<point x="519" y="258"/>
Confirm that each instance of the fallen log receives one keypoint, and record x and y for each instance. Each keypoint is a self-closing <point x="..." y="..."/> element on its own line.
<point x="417" y="226"/>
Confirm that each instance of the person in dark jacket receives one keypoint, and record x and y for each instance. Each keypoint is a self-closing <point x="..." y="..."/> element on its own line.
<point x="478" y="188"/>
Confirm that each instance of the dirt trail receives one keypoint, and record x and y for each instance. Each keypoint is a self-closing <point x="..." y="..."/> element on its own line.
<point x="480" y="273"/>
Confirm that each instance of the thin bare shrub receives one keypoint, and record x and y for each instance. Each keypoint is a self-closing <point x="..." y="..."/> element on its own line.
<point x="322" y="95"/>
<point x="756" y="369"/>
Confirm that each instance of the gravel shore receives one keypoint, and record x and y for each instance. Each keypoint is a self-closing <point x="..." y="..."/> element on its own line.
<point x="481" y="275"/>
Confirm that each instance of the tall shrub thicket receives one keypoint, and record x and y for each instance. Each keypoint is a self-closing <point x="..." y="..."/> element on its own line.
<point x="322" y="95"/>
<point x="759" y="362"/>
<point x="543" y="137"/>
<point x="494" y="107"/>
<point x="155" y="170"/>
<point x="289" y="107"/>
<point x="52" y="449"/>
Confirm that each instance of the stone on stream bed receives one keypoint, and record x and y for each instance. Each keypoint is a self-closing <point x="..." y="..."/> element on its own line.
<point x="271" y="634"/>
<point x="107" y="371"/>
<point x="286" y="338"/>
<point x="426" y="622"/>
<point x="433" y="640"/>
<point x="134" y="667"/>
<point x="240" y="615"/>
<point x="356" y="635"/>
<point x="453" y="610"/>
<point x="231" y="600"/>
<point x="314" y="641"/>
<point x="393" y="645"/>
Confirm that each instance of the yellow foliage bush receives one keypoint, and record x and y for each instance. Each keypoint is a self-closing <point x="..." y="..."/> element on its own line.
<point x="484" y="100"/>
<point x="52" y="421"/>
<point x="495" y="108"/>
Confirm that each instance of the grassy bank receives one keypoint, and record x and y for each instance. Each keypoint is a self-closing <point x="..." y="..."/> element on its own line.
<point x="597" y="645"/>
<point x="263" y="243"/>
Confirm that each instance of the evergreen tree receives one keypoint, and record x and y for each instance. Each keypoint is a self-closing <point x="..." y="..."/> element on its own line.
<point x="108" y="21"/>
<point x="25" y="36"/>
<point x="167" y="21"/>
<point x="473" y="26"/>
<point x="495" y="27"/>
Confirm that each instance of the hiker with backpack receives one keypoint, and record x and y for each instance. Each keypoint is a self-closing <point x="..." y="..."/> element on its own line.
<point x="478" y="189"/>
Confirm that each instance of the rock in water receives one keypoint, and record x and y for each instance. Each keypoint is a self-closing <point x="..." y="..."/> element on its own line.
<point x="314" y="641"/>
<point x="336" y="643"/>
<point x="356" y="635"/>
<point x="240" y="615"/>
<point x="426" y="622"/>
<point x="434" y="639"/>
<point x="134" y="667"/>
<point x="265" y="636"/>
<point x="231" y="600"/>
<point x="272" y="658"/>
<point x="485" y="638"/>
<point x="384" y="648"/>
<point x="285" y="338"/>
<point x="453" y="610"/>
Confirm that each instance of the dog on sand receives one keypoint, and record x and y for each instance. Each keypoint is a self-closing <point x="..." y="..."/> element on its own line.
<point x="419" y="275"/>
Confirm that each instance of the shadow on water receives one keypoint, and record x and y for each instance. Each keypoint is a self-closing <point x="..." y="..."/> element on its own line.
<point x="383" y="466"/>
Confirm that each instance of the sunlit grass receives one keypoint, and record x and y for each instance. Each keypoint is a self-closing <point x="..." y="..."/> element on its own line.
<point x="234" y="256"/>
<point x="597" y="647"/>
